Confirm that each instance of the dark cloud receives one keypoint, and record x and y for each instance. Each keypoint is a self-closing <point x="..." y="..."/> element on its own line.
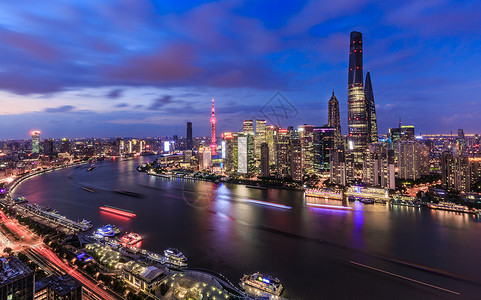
<point x="115" y="93"/>
<point x="121" y="105"/>
<point x="60" y="109"/>
<point x="241" y="48"/>
<point x="160" y="102"/>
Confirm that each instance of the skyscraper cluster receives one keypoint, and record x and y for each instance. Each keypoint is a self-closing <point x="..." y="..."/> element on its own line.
<point x="300" y="154"/>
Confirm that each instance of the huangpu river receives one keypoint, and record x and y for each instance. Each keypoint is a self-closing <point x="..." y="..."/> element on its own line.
<point x="372" y="252"/>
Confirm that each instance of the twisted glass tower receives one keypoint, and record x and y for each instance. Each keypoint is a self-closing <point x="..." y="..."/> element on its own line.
<point x="358" y="128"/>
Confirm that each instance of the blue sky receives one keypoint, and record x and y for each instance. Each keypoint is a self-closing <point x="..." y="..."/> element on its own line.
<point x="138" y="68"/>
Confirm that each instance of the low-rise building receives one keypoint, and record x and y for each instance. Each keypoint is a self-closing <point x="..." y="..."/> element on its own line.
<point x="63" y="287"/>
<point x="142" y="276"/>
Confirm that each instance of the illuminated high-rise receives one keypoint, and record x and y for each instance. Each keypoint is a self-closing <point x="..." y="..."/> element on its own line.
<point x="357" y="116"/>
<point x="36" y="141"/>
<point x="334" y="119"/>
<point x="306" y="137"/>
<point x="248" y="127"/>
<point x="283" y="161"/>
<point x="371" y="109"/>
<point x="260" y="138"/>
<point x="213" y="140"/>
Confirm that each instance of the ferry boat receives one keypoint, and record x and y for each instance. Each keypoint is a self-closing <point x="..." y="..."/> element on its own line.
<point x="129" y="193"/>
<point x="447" y="206"/>
<point x="259" y="187"/>
<point x="324" y="193"/>
<point x="20" y="200"/>
<point x="175" y="258"/>
<point x="107" y="230"/>
<point x="91" y="168"/>
<point x="88" y="189"/>
<point x="366" y="200"/>
<point x="118" y="211"/>
<point x="405" y="201"/>
<point x="131" y="238"/>
<point x="262" y="284"/>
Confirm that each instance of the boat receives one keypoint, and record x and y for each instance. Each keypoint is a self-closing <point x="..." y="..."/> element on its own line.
<point x="447" y="206"/>
<point x="261" y="283"/>
<point x="107" y="230"/>
<point x="259" y="187"/>
<point x="91" y="168"/>
<point x="366" y="200"/>
<point x="175" y="258"/>
<point x="118" y="211"/>
<point x="89" y="189"/>
<point x="131" y="238"/>
<point x="20" y="200"/>
<point x="324" y="193"/>
<point x="129" y="193"/>
<point x="405" y="201"/>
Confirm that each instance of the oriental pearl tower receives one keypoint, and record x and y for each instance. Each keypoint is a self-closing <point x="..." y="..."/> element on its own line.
<point x="213" y="141"/>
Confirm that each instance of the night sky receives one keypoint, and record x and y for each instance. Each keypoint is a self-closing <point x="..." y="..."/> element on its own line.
<point x="138" y="68"/>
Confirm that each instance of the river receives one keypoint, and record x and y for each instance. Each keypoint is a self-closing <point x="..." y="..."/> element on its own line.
<point x="316" y="253"/>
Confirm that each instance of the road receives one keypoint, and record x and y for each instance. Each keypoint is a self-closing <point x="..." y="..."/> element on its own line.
<point x="47" y="259"/>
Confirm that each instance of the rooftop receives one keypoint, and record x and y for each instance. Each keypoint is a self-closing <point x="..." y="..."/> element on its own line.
<point x="11" y="268"/>
<point x="149" y="273"/>
<point x="61" y="285"/>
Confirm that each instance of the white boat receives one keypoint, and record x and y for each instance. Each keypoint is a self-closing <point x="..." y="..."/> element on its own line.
<point x="259" y="284"/>
<point x="175" y="258"/>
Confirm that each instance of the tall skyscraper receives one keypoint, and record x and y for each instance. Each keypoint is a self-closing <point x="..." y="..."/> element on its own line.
<point x="371" y="109"/>
<point x="358" y="129"/>
<point x="334" y="119"/>
<point x="296" y="160"/>
<point x="189" y="136"/>
<point x="213" y="140"/>
<point x="323" y="146"/>
<point x="36" y="141"/>
<point x="260" y="138"/>
<point x="48" y="147"/>
<point x="265" y="172"/>
<point x="205" y="158"/>
<point x="283" y="159"/>
<point x="306" y="137"/>
<point x="248" y="127"/>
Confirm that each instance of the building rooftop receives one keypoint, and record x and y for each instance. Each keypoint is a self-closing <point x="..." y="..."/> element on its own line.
<point x="11" y="269"/>
<point x="61" y="285"/>
<point x="148" y="273"/>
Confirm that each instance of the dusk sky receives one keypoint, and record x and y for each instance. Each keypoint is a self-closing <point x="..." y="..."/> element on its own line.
<point x="138" y="68"/>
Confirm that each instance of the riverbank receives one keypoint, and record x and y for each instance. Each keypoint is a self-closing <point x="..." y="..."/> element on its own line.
<point x="70" y="252"/>
<point x="259" y="184"/>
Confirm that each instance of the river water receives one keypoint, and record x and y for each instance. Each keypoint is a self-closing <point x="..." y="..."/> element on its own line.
<point x="316" y="253"/>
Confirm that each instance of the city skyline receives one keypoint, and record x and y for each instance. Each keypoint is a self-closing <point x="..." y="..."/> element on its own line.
<point x="135" y="70"/>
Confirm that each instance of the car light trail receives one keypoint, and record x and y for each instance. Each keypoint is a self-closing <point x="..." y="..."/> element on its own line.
<point x="268" y="203"/>
<point x="55" y="260"/>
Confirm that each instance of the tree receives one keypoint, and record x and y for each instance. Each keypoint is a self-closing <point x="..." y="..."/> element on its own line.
<point x="8" y="250"/>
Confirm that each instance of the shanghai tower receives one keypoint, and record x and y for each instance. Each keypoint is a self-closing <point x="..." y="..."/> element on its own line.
<point x="371" y="109"/>
<point x="358" y="129"/>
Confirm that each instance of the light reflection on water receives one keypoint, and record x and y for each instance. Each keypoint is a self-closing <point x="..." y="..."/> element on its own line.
<point x="232" y="236"/>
